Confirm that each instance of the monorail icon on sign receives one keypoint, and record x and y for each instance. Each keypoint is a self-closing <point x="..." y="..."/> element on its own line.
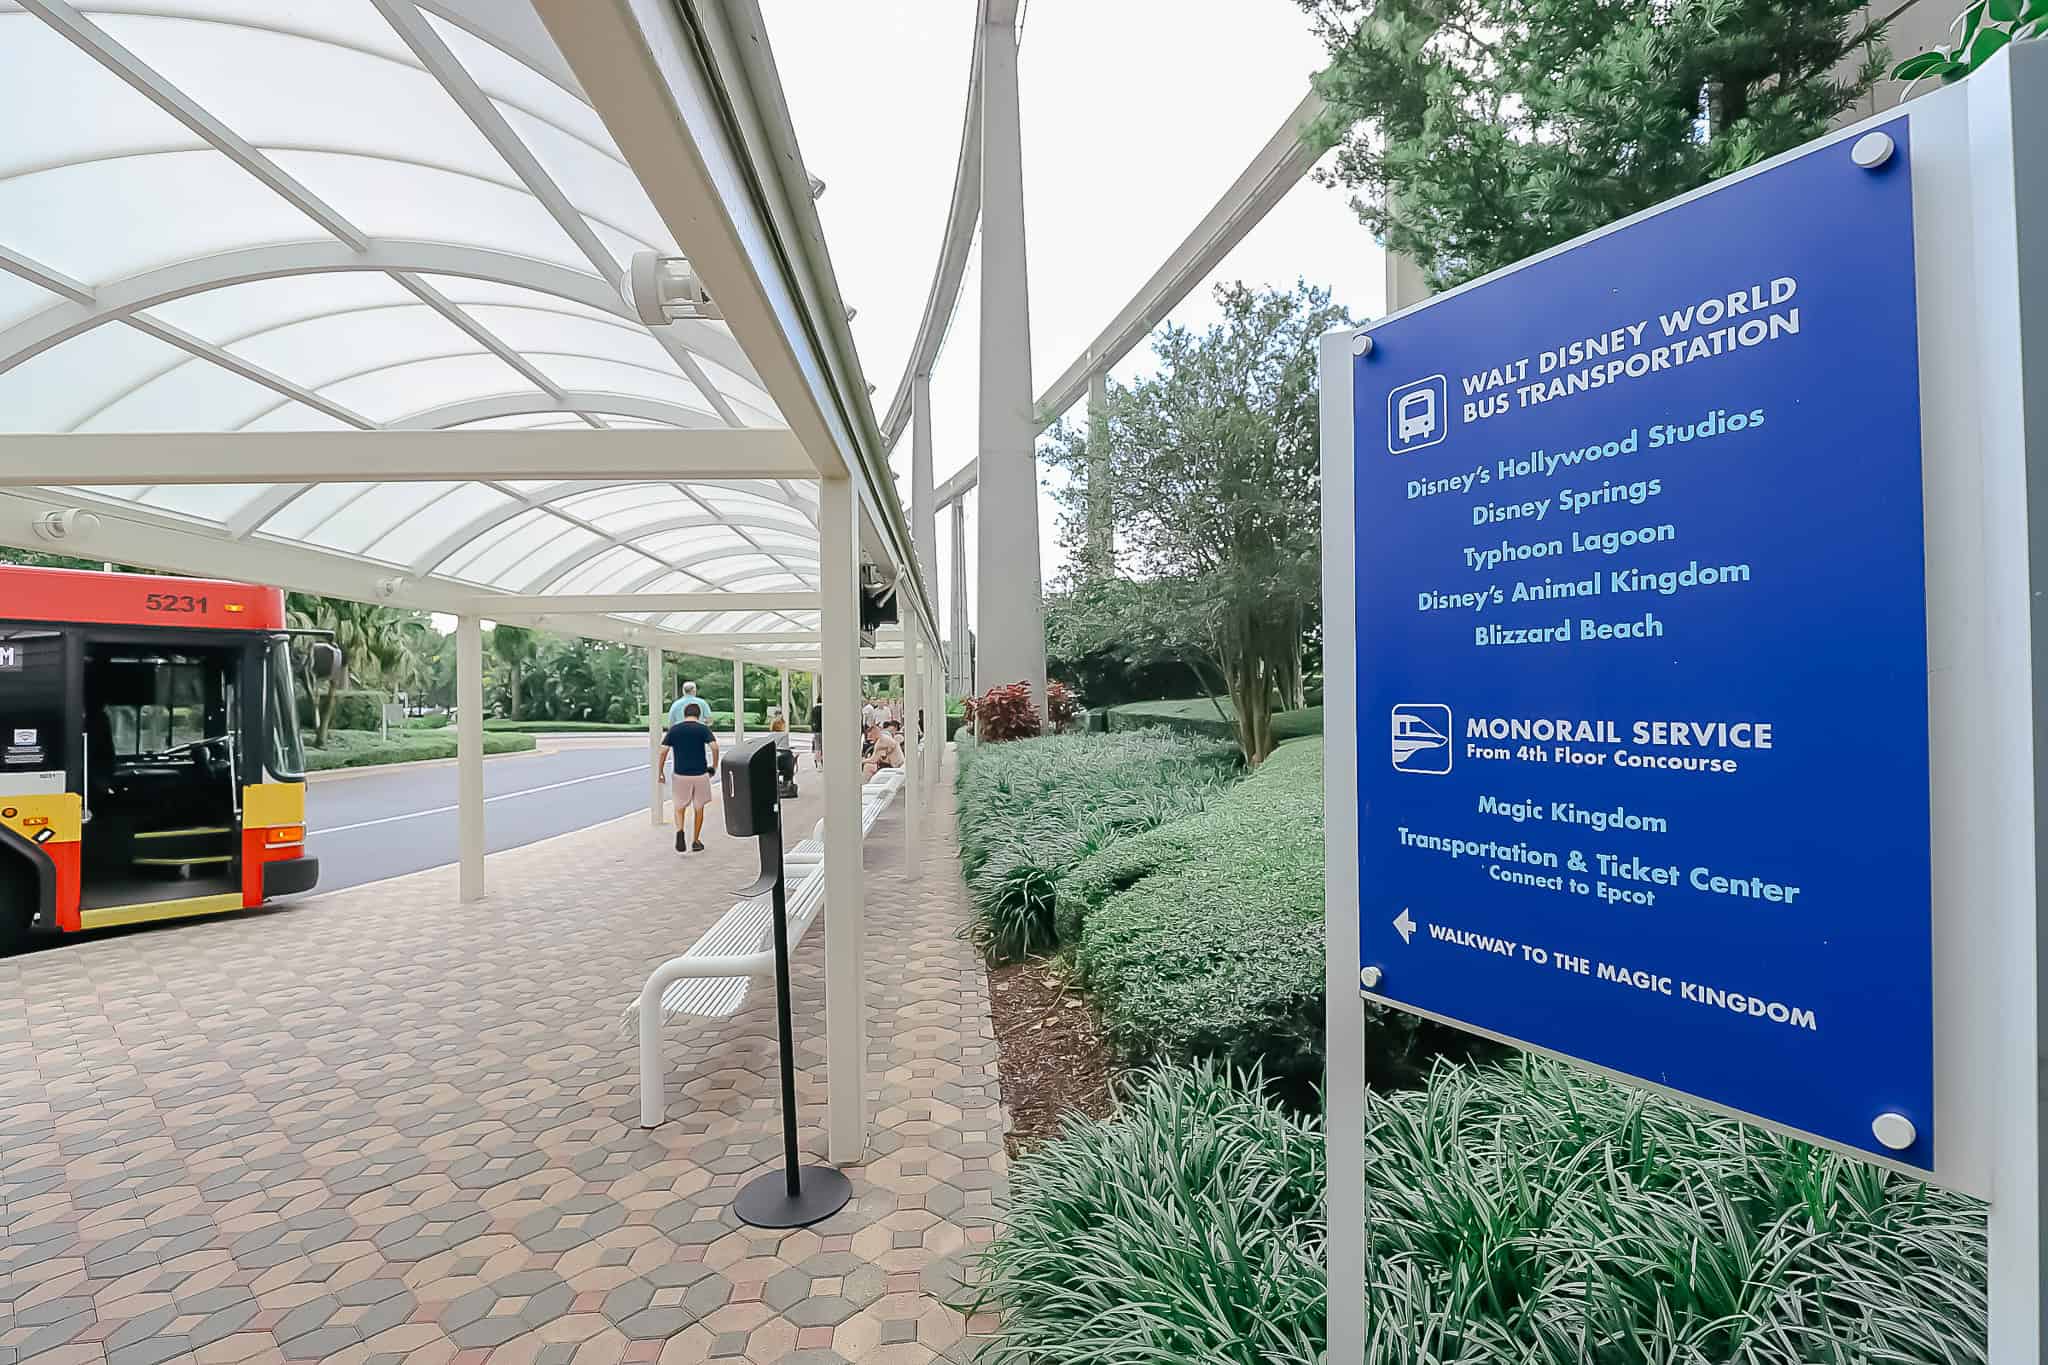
<point x="1418" y="415"/>
<point x="1422" y="737"/>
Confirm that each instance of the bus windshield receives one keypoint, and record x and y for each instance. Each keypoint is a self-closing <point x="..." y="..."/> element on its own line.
<point x="285" y="756"/>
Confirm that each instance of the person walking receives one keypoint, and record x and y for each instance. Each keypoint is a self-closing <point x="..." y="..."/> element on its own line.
<point x="695" y="750"/>
<point x="817" y="735"/>
<point x="683" y="705"/>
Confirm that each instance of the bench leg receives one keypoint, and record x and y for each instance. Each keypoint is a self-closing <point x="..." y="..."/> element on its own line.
<point x="653" y="1097"/>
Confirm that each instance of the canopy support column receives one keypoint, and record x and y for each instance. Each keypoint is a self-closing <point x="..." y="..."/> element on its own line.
<point x="739" y="701"/>
<point x="935" y="745"/>
<point x="846" y="1044"/>
<point x="655" y="716"/>
<point x="913" y="758"/>
<point x="1012" y="609"/>
<point x="469" y="747"/>
<point x="787" y="718"/>
<point x="962" y="660"/>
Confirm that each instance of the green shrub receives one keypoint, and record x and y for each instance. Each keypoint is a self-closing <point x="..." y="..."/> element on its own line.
<point x="437" y="721"/>
<point x="354" y="709"/>
<point x="1197" y="716"/>
<point x="1536" y="1213"/>
<point x="499" y="724"/>
<point x="1031" y="809"/>
<point x="1204" y="937"/>
<point x="1187" y="1228"/>
<point x="364" y="749"/>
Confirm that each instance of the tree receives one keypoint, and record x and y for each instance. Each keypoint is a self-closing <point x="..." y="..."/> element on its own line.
<point x="1484" y="131"/>
<point x="517" y="647"/>
<point x="375" y="644"/>
<point x="1215" y="483"/>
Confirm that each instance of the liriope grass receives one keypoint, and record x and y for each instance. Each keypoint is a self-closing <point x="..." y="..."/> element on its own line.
<point x="1186" y="1229"/>
<point x="1525" y="1213"/>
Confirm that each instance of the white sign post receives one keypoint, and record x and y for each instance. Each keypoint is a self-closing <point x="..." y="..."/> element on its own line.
<point x="1980" y="240"/>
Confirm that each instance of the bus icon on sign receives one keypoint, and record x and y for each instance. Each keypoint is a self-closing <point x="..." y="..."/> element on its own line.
<point x="1422" y="737"/>
<point x="1418" y="415"/>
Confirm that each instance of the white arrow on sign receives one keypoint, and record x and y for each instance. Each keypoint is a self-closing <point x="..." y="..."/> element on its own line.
<point x="1405" y="924"/>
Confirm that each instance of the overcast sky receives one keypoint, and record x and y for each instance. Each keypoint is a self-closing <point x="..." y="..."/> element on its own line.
<point x="1136" y="116"/>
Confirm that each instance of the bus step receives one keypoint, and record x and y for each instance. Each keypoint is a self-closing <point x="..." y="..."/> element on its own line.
<point x="181" y="833"/>
<point x="183" y="862"/>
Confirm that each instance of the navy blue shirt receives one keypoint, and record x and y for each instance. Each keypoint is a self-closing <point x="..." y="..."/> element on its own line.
<point x="691" y="742"/>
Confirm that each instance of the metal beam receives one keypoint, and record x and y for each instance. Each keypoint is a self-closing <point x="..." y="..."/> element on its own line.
<point x="92" y="40"/>
<point x="202" y="349"/>
<point x="961" y="220"/>
<point x="565" y="401"/>
<point x="1278" y="168"/>
<point x="490" y="604"/>
<point x="393" y="456"/>
<point x="691" y="97"/>
<point x="60" y="322"/>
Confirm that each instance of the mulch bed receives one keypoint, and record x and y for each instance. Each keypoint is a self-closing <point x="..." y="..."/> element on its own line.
<point x="1054" y="1061"/>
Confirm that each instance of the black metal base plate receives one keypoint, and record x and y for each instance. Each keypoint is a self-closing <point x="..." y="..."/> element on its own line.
<point x="764" y="1201"/>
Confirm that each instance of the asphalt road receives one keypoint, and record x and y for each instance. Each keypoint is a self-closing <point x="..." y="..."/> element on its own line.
<point x="402" y="819"/>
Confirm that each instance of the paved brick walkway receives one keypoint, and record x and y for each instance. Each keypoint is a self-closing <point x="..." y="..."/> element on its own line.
<point x="385" y="1126"/>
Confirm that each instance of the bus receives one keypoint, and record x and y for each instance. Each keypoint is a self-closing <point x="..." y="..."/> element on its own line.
<point x="150" y="763"/>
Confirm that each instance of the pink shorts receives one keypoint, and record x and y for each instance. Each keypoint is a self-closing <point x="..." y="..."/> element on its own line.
<point x="691" y="793"/>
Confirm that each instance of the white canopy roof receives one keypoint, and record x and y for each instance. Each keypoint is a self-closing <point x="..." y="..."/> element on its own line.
<point x="240" y="216"/>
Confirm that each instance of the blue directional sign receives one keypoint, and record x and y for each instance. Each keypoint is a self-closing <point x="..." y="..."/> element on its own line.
<point x="1641" y="654"/>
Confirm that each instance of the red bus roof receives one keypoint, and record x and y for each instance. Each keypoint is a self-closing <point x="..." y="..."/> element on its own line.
<point x="135" y="599"/>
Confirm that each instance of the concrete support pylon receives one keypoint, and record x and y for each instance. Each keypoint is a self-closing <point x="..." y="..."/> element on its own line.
<point x="961" y="661"/>
<point x="739" y="701"/>
<point x="1101" y="524"/>
<point x="469" y="748"/>
<point x="1012" y="609"/>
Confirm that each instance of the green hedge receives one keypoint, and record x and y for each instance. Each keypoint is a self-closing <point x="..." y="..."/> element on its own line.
<point x="500" y="725"/>
<point x="1187" y="1228"/>
<point x="1031" y="809"/>
<point x="363" y="749"/>
<point x="437" y="721"/>
<point x="1204" y="937"/>
<point x="1197" y="716"/>
<point x="1529" y="1212"/>
<point x="354" y="709"/>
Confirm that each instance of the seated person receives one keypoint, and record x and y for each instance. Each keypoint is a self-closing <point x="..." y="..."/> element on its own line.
<point x="785" y="757"/>
<point x="885" y="751"/>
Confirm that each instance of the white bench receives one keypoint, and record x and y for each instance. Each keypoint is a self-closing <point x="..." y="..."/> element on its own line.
<point x="711" y="979"/>
<point x="875" y="798"/>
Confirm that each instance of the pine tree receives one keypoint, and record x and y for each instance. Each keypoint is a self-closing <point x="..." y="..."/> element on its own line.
<point x="1483" y="131"/>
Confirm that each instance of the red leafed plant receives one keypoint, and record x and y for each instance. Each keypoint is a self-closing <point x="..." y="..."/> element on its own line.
<point x="1064" y="705"/>
<point x="1003" y="713"/>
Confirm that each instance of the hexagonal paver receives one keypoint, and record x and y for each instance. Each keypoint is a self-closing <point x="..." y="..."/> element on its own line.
<point x="390" y="1126"/>
<point x="505" y="1308"/>
<point x="420" y="1235"/>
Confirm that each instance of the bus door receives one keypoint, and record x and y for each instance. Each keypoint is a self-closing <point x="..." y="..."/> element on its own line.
<point x="161" y="775"/>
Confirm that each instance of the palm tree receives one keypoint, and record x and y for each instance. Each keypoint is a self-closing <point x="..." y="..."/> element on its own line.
<point x="517" y="646"/>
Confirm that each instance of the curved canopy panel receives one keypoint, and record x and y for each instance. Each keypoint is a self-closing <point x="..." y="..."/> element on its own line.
<point x="238" y="216"/>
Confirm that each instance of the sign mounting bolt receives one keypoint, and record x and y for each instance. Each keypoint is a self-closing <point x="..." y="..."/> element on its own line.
<point x="1369" y="977"/>
<point x="1894" y="1130"/>
<point x="1361" y="345"/>
<point x="1872" y="150"/>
